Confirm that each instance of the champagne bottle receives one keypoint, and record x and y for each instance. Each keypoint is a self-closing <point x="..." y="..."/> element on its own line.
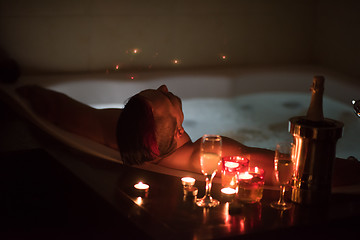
<point x="315" y="140"/>
<point x="315" y="110"/>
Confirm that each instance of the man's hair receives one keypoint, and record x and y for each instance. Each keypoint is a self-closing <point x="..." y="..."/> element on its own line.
<point x="141" y="137"/>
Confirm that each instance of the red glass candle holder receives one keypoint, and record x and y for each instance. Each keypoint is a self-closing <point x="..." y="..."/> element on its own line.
<point x="232" y="165"/>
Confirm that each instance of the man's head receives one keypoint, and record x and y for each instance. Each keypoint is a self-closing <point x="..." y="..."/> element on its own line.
<point x="148" y="126"/>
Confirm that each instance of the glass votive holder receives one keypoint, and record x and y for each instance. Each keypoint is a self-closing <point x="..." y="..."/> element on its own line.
<point x="231" y="165"/>
<point x="250" y="185"/>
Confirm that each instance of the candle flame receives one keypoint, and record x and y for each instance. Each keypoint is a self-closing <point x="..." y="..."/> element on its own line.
<point x="176" y="61"/>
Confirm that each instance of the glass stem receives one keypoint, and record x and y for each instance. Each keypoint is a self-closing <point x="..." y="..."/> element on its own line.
<point x="282" y="195"/>
<point x="208" y="186"/>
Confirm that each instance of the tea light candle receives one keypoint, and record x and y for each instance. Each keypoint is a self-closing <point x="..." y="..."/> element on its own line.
<point x="188" y="181"/>
<point x="228" y="191"/>
<point x="232" y="164"/>
<point x="245" y="176"/>
<point x="142" y="186"/>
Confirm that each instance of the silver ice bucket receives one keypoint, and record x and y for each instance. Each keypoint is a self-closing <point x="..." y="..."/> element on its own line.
<point x="314" y="154"/>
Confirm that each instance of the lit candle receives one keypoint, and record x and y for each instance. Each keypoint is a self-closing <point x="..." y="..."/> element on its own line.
<point x="231" y="164"/>
<point x="188" y="181"/>
<point x="228" y="190"/>
<point x="251" y="185"/>
<point x="228" y="194"/>
<point x="245" y="176"/>
<point x="141" y="186"/>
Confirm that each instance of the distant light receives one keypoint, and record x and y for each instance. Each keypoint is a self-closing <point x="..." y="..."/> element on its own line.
<point x="176" y="61"/>
<point x="117" y="67"/>
<point x="132" y="76"/>
<point x="223" y="57"/>
<point x="133" y="51"/>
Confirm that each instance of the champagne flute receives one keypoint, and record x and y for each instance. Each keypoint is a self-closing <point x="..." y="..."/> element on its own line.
<point x="210" y="155"/>
<point x="284" y="169"/>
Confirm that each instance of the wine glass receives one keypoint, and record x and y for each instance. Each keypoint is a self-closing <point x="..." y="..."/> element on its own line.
<point x="210" y="155"/>
<point x="284" y="169"/>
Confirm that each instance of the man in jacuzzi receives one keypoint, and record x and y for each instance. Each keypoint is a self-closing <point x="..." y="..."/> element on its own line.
<point x="148" y="129"/>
